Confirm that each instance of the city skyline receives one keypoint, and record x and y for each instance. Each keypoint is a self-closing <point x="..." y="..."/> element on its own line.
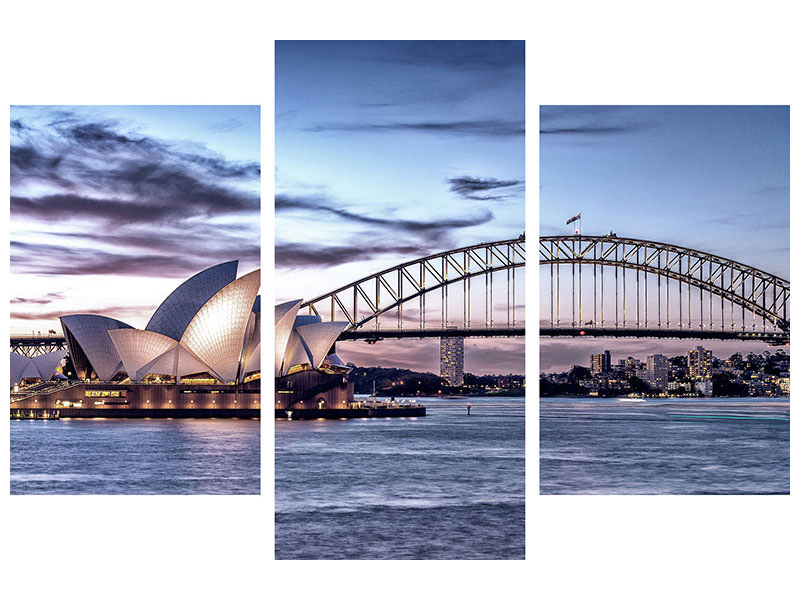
<point x="113" y="206"/>
<point x="615" y="359"/>
<point x="713" y="178"/>
<point x="391" y="151"/>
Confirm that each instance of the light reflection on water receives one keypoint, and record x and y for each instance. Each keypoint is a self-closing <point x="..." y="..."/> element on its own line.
<point x="131" y="456"/>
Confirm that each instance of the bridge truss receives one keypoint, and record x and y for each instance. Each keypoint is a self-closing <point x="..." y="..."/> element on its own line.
<point x="36" y="345"/>
<point x="470" y="291"/>
<point x="628" y="287"/>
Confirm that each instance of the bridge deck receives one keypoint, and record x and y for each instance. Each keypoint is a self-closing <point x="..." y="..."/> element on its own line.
<point x="774" y="338"/>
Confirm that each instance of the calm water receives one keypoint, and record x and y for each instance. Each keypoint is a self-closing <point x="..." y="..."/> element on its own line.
<point x="664" y="446"/>
<point x="135" y="456"/>
<point x="444" y="486"/>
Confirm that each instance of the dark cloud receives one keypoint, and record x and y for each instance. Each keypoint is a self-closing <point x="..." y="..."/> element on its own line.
<point x="590" y="130"/>
<point x="65" y="207"/>
<point x="297" y="255"/>
<point x="45" y="300"/>
<point x="475" y="188"/>
<point x="213" y="243"/>
<point x="100" y="156"/>
<point x="44" y="259"/>
<point x="156" y="196"/>
<point x="435" y="229"/>
<point x="590" y="121"/>
<point x="480" y="128"/>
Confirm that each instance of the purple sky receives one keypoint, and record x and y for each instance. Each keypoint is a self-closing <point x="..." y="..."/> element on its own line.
<point x="715" y="179"/>
<point x="391" y="151"/>
<point x="112" y="207"/>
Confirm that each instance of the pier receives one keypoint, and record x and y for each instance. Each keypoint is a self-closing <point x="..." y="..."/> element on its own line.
<point x="134" y="400"/>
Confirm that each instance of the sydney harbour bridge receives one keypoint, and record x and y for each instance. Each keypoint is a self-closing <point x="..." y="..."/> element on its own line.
<point x="592" y="286"/>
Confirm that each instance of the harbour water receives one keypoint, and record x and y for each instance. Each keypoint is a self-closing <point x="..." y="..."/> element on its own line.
<point x="445" y="486"/>
<point x="664" y="446"/>
<point x="136" y="456"/>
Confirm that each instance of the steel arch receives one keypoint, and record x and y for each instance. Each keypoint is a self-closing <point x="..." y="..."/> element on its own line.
<point x="743" y="285"/>
<point x="413" y="279"/>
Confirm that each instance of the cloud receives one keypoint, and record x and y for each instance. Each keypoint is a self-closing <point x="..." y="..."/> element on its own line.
<point x="479" y="128"/>
<point x="595" y="121"/>
<point x="299" y="255"/>
<point x="111" y="311"/>
<point x="44" y="259"/>
<point x="475" y="188"/>
<point x="129" y="191"/>
<point x="318" y="204"/>
<point x="590" y="130"/>
<point x="45" y="300"/>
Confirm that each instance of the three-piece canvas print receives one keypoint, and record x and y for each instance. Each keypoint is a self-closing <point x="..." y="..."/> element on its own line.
<point x="396" y="304"/>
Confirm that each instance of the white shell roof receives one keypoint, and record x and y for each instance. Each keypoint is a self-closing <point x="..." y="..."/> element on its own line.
<point x="138" y="347"/>
<point x="284" y="320"/>
<point x="91" y="334"/>
<point x="47" y="364"/>
<point x="18" y="365"/>
<point x="254" y="362"/>
<point x="176" y="312"/>
<point x="309" y="344"/>
<point x="178" y="362"/>
<point x="296" y="354"/>
<point x="39" y="367"/>
<point x="216" y="334"/>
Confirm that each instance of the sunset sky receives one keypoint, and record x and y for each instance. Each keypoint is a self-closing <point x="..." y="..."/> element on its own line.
<point x="712" y="178"/>
<point x="113" y="207"/>
<point x="390" y="151"/>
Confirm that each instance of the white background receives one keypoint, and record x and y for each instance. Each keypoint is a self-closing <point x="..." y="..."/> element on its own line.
<point x="197" y="52"/>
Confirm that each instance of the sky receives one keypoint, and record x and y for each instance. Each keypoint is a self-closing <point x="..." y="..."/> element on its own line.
<point x="390" y="151"/>
<point x="712" y="178"/>
<point x="113" y="207"/>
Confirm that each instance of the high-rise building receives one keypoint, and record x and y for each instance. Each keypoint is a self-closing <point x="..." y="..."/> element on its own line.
<point x="631" y="366"/>
<point x="600" y="363"/>
<point x="451" y="352"/>
<point x="657" y="374"/>
<point x="700" y="364"/>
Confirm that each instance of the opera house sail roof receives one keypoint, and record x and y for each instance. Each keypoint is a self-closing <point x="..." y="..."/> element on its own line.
<point x="209" y="326"/>
<point x="302" y="341"/>
<point x="39" y="367"/>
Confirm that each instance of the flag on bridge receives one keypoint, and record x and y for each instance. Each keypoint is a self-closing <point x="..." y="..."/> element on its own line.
<point x="575" y="218"/>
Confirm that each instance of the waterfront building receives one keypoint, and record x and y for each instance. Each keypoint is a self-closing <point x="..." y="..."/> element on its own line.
<point x="308" y="373"/>
<point x="700" y="363"/>
<point x="600" y="363"/>
<point x="657" y="373"/>
<point x="631" y="366"/>
<point x="199" y="355"/>
<point x="704" y="387"/>
<point x="207" y="330"/>
<point x="451" y="360"/>
<point x="26" y="369"/>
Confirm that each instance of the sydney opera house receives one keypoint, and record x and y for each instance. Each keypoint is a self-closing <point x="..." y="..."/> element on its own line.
<point x="311" y="381"/>
<point x="200" y="353"/>
<point x="309" y="376"/>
